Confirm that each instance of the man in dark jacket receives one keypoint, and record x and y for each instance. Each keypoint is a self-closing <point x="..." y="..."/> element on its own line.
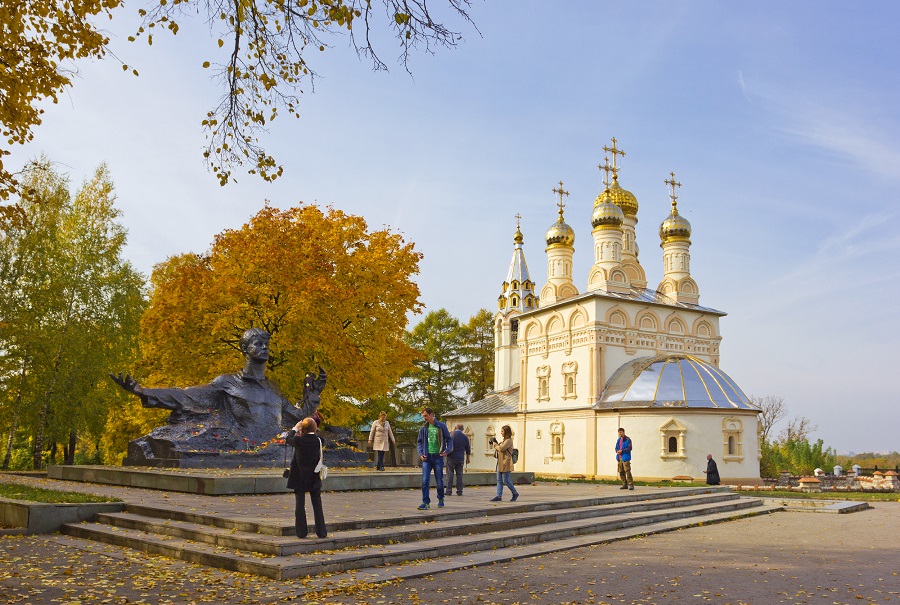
<point x="457" y="460"/>
<point x="712" y="471"/>
<point x="434" y="443"/>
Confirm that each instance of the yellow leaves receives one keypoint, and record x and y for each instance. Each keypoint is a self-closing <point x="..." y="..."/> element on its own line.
<point x="205" y="64"/>
<point x="221" y="43"/>
<point x="401" y="18"/>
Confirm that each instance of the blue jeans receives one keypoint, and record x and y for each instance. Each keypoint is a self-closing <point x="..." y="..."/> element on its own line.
<point x="503" y="479"/>
<point x="435" y="462"/>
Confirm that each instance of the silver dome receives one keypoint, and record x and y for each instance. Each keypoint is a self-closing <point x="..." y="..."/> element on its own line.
<point x="667" y="381"/>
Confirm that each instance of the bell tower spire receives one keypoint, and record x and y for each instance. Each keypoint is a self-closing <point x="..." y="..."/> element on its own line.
<point x="516" y="297"/>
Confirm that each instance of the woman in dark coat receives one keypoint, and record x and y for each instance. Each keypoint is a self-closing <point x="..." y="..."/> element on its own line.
<point x="303" y="479"/>
<point x="712" y="471"/>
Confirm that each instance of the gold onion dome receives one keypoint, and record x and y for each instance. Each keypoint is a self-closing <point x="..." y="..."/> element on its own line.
<point x="606" y="213"/>
<point x="519" y="238"/>
<point x="623" y="198"/>
<point x="560" y="233"/>
<point x="674" y="227"/>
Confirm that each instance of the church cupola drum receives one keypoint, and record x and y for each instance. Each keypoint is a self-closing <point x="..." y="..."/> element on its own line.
<point x="560" y="250"/>
<point x="675" y="239"/>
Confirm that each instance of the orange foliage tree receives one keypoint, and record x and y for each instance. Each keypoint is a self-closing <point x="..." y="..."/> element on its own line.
<point x="330" y="292"/>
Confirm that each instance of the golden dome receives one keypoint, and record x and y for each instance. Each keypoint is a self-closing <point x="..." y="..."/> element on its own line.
<point x="606" y="213"/>
<point x="560" y="233"/>
<point x="623" y="198"/>
<point x="675" y="227"/>
<point x="518" y="238"/>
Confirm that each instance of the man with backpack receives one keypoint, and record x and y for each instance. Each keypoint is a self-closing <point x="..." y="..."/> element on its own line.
<point x="623" y="460"/>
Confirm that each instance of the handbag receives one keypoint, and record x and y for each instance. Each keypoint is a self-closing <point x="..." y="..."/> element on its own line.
<point x="320" y="467"/>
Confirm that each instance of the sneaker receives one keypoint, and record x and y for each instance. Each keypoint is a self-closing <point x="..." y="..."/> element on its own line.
<point x="441" y="503"/>
<point x="424" y="506"/>
<point x="459" y="493"/>
<point x="630" y="487"/>
<point x="624" y="487"/>
<point x="514" y="498"/>
<point x="448" y="494"/>
<point x="496" y="499"/>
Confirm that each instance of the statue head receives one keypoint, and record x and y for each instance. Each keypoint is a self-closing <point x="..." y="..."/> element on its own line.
<point x="255" y="344"/>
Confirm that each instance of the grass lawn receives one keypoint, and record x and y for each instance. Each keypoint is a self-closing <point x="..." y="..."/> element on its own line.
<point x="39" y="494"/>
<point x="858" y="496"/>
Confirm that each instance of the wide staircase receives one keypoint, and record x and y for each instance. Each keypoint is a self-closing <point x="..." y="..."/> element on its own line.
<point x="413" y="544"/>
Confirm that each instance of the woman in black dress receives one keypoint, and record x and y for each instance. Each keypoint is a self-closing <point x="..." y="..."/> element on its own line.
<point x="303" y="479"/>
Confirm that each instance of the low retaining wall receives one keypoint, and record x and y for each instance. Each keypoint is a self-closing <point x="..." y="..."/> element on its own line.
<point x="44" y="518"/>
<point x="235" y="482"/>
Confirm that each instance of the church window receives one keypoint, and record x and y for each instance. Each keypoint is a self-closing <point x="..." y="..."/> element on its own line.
<point x="732" y="436"/>
<point x="514" y="331"/>
<point x="515" y="301"/>
<point x="617" y="319"/>
<point x="543" y="376"/>
<point x="557" y="440"/>
<point x="569" y="372"/>
<point x="515" y="285"/>
<point x="489" y="434"/>
<point x="672" y="435"/>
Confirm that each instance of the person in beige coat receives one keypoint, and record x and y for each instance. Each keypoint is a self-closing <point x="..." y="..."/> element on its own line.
<point x="503" y="451"/>
<point x="380" y="439"/>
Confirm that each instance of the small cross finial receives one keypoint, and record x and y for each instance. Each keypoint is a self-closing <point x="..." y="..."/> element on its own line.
<point x="615" y="152"/>
<point x="518" y="221"/>
<point x="560" y="192"/>
<point x="605" y="167"/>
<point x="672" y="183"/>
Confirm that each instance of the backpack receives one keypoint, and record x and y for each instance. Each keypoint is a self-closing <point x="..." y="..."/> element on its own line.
<point x="515" y="455"/>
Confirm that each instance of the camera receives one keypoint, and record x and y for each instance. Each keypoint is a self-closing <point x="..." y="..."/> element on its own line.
<point x="493" y="441"/>
<point x="286" y="473"/>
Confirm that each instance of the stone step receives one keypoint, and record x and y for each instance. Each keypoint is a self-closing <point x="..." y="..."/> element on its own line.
<point x="293" y="566"/>
<point x="476" y="522"/>
<point x="476" y="508"/>
<point x="432" y="567"/>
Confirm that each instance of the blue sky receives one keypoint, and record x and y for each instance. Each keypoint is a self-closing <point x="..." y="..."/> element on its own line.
<point x="779" y="119"/>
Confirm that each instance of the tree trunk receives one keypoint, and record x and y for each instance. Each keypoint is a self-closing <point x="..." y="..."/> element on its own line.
<point x="70" y="450"/>
<point x="11" y="440"/>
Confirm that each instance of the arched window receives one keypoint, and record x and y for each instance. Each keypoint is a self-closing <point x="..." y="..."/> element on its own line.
<point x="543" y="383"/>
<point x="672" y="435"/>
<point x="569" y="372"/>
<point x="557" y="444"/>
<point x="732" y="437"/>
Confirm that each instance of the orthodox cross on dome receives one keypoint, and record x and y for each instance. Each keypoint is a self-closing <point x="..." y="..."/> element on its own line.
<point x="605" y="167"/>
<point x="519" y="238"/>
<point x="614" y="151"/>
<point x="673" y="184"/>
<point x="518" y="221"/>
<point x="560" y="192"/>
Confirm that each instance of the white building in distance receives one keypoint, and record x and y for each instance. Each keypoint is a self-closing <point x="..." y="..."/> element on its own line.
<point x="571" y="366"/>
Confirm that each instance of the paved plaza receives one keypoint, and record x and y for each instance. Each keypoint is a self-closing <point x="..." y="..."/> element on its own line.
<point x="784" y="557"/>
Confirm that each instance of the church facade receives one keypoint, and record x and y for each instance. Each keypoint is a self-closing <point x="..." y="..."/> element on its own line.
<point x="573" y="365"/>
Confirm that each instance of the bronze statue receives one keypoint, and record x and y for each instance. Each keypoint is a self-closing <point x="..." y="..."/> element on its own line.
<point x="312" y="391"/>
<point x="234" y="413"/>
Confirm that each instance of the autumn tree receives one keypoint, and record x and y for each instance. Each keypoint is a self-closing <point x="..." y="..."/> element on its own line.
<point x="259" y="53"/>
<point x="329" y="291"/>
<point x="70" y="309"/>
<point x="478" y="350"/>
<point x="773" y="410"/>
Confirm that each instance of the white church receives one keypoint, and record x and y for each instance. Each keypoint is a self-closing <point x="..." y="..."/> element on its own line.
<point x="572" y="366"/>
